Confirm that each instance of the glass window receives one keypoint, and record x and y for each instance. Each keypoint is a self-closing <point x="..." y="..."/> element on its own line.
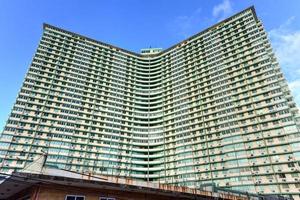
<point x="75" y="197"/>
<point x="107" y="198"/>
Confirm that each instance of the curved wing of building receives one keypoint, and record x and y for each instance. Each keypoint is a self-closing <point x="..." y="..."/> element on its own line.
<point x="214" y="108"/>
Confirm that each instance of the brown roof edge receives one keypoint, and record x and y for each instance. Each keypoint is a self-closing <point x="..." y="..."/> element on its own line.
<point x="45" y="25"/>
<point x="41" y="179"/>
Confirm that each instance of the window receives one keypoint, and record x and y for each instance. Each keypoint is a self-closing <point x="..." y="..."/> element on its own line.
<point x="285" y="186"/>
<point x="281" y="175"/>
<point x="107" y="198"/>
<point x="75" y="197"/>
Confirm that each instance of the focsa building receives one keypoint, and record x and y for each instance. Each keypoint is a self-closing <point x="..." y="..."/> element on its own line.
<point x="212" y="109"/>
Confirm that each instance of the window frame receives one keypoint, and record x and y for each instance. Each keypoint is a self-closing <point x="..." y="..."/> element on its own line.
<point x="107" y="198"/>
<point x="74" y="195"/>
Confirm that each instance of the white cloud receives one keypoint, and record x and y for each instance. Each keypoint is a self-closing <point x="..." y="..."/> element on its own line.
<point x="294" y="84"/>
<point x="295" y="88"/>
<point x="222" y="10"/>
<point x="185" y="24"/>
<point x="286" y="44"/>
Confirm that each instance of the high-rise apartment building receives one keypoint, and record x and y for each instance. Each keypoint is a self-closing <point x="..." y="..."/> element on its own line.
<point x="214" y="108"/>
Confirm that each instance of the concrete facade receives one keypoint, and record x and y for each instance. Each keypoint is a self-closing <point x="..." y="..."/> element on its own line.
<point x="214" y="108"/>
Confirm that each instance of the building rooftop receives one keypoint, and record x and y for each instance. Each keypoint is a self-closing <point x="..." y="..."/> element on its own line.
<point x="45" y="26"/>
<point x="37" y="173"/>
<point x="20" y="181"/>
<point x="150" y="51"/>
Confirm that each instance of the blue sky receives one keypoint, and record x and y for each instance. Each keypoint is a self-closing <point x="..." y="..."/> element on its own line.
<point x="134" y="24"/>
